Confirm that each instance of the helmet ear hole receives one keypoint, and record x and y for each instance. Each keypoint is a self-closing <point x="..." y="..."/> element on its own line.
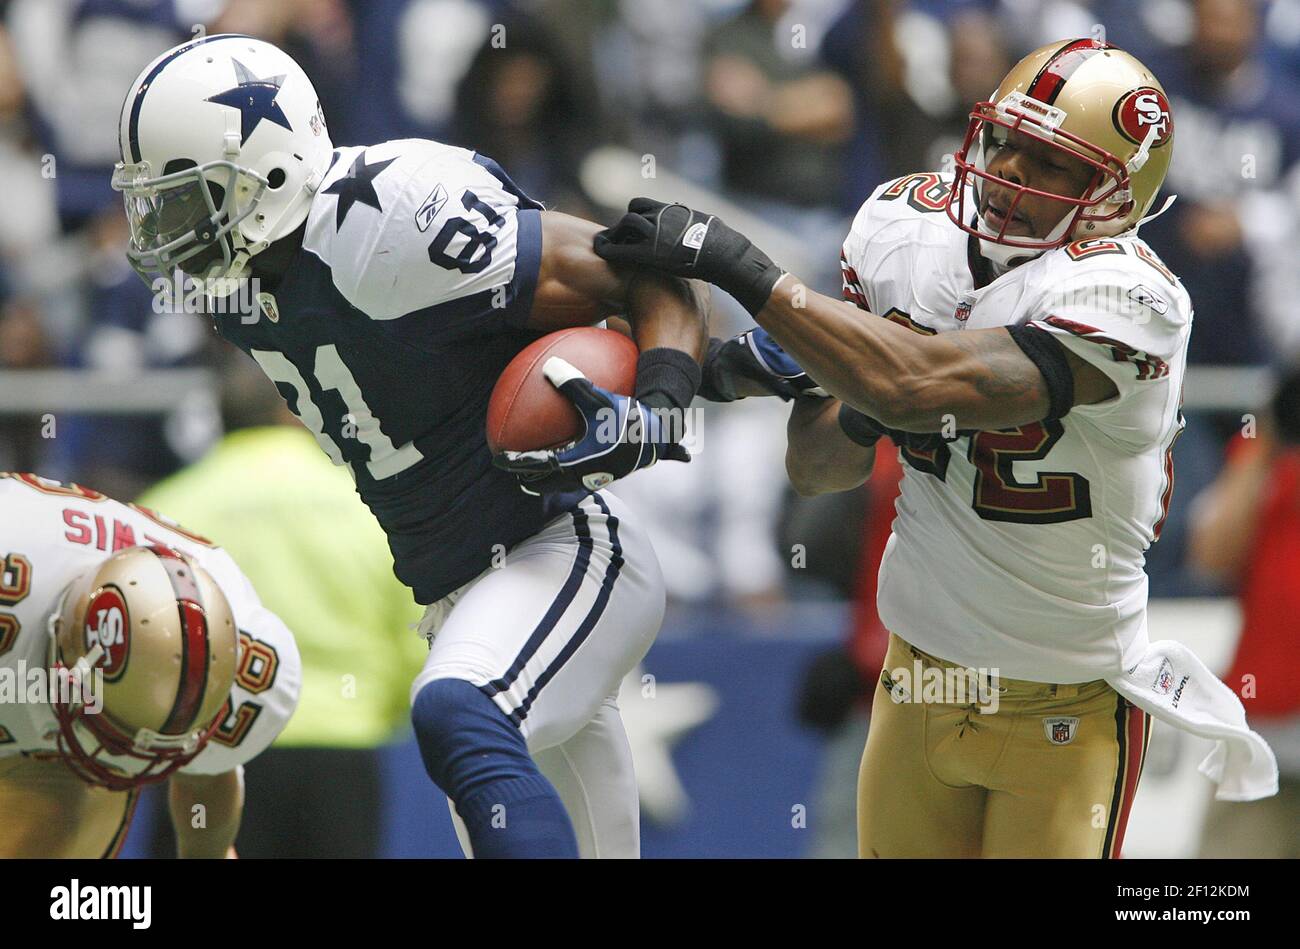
<point x="275" y="179"/>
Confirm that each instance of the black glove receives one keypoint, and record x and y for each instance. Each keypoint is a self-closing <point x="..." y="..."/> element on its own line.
<point x="676" y="240"/>
<point x="755" y="356"/>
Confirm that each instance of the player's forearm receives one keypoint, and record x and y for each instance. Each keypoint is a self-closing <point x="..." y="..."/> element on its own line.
<point x="974" y="379"/>
<point x="819" y="457"/>
<point x="864" y="361"/>
<point x="668" y="312"/>
<point x="977" y="379"/>
<point x="205" y="813"/>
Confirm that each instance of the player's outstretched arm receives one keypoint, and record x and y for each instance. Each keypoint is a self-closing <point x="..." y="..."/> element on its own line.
<point x="205" y="811"/>
<point x="821" y="457"/>
<point x="977" y="379"/>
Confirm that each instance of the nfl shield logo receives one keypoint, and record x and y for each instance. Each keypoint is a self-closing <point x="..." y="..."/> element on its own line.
<point x="963" y="311"/>
<point x="1164" y="678"/>
<point x="267" y="303"/>
<point x="1060" y="731"/>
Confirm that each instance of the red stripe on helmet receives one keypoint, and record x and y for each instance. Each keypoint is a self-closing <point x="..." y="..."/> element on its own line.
<point x="194" y="641"/>
<point x="1060" y="66"/>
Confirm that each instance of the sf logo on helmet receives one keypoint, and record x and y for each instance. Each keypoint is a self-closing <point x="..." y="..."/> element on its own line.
<point x="1141" y="110"/>
<point x="107" y="626"/>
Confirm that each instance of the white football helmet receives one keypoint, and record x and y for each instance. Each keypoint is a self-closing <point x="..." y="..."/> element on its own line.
<point x="223" y="145"/>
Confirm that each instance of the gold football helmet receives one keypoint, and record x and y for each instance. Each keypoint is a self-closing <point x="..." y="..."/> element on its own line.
<point x="1092" y="101"/>
<point x="162" y="634"/>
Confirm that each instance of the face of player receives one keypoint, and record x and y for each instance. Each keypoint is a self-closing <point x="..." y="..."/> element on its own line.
<point x="173" y="213"/>
<point x="1023" y="160"/>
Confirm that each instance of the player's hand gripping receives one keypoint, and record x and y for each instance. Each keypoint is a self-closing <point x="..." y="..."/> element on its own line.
<point x="620" y="436"/>
<point x="754" y="356"/>
<point x="686" y="243"/>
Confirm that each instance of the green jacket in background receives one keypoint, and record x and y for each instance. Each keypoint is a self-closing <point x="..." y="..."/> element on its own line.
<point x="318" y="559"/>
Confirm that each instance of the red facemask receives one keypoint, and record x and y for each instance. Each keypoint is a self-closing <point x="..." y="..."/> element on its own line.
<point x="990" y="123"/>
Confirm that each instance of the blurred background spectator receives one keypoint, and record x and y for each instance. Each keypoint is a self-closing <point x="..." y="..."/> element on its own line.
<point x="787" y="111"/>
<point x="768" y="95"/>
<point x="1246" y="532"/>
<point x="522" y="103"/>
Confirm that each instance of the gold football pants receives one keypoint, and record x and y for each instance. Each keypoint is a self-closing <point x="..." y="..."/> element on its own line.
<point x="1050" y="773"/>
<point x="47" y="811"/>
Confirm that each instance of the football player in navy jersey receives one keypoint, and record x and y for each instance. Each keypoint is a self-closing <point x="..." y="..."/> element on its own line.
<point x="393" y="283"/>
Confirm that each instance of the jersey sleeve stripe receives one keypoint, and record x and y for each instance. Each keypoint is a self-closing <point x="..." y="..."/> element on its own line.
<point x="853" y="291"/>
<point x="497" y="172"/>
<point x="528" y="262"/>
<point x="1148" y="367"/>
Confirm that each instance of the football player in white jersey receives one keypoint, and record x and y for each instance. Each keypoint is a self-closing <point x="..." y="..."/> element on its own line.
<point x="393" y="283"/>
<point x="1029" y="366"/>
<point x="131" y="651"/>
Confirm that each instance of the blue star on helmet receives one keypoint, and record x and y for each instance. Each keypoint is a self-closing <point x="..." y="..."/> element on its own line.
<point x="255" y="100"/>
<point x="357" y="185"/>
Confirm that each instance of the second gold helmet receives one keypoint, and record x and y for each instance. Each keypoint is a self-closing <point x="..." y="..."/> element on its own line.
<point x="160" y="632"/>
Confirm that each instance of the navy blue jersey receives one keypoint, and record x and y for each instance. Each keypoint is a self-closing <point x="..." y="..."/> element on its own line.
<point x="386" y="337"/>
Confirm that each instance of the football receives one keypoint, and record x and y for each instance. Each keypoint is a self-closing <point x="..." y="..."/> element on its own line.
<point x="526" y="412"/>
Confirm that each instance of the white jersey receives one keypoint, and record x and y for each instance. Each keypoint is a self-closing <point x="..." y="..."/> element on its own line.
<point x="1023" y="550"/>
<point x="53" y="532"/>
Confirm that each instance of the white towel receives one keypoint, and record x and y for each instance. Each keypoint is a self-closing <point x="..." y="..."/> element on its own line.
<point x="1171" y="683"/>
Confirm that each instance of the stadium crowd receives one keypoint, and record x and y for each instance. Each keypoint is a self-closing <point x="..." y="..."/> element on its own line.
<point x="793" y="110"/>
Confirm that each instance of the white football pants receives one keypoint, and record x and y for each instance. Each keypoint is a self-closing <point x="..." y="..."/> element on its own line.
<point x="549" y="634"/>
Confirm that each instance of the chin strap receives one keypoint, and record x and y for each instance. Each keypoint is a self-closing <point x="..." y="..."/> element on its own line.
<point x="1165" y="206"/>
<point x="1134" y="164"/>
<point x="216" y="288"/>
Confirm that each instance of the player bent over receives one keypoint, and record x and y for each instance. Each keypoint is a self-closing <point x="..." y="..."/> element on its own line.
<point x="390" y="285"/>
<point x="156" y="661"/>
<point x="1029" y="366"/>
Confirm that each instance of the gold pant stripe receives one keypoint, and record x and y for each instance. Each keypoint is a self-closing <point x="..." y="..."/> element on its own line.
<point x="1132" y="734"/>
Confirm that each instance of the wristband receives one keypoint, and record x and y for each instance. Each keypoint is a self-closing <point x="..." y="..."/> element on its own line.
<point x="666" y="378"/>
<point x="859" y="428"/>
<point x="760" y="278"/>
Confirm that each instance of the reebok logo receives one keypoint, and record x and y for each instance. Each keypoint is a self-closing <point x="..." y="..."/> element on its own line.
<point x="430" y="208"/>
<point x="694" y="236"/>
